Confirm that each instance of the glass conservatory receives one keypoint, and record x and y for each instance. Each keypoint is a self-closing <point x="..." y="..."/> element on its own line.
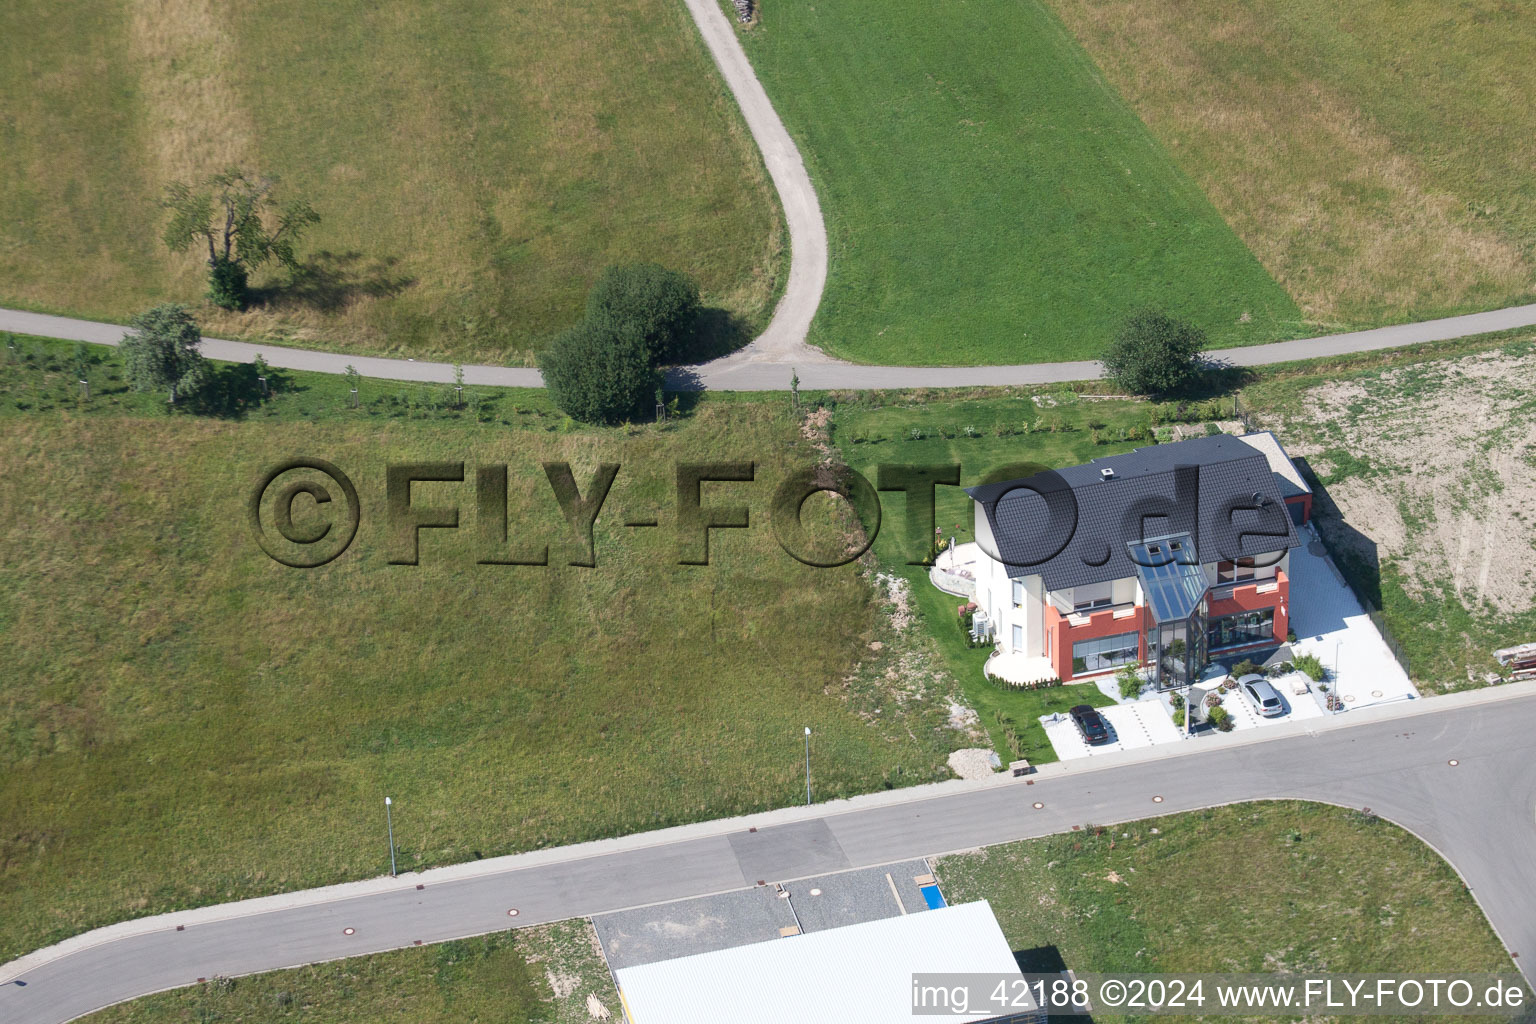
<point x="1175" y="587"/>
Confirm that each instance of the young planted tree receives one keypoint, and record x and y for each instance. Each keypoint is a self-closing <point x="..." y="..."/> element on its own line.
<point x="162" y="353"/>
<point x="243" y="226"/>
<point x="1154" y="354"/>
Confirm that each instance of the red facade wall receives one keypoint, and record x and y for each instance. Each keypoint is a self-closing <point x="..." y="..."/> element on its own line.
<point x="1305" y="502"/>
<point x="1061" y="635"/>
<point x="1247" y="598"/>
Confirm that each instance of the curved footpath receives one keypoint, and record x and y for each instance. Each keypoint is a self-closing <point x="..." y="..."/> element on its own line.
<point x="1456" y="771"/>
<point x="770" y="360"/>
<point x="758" y="370"/>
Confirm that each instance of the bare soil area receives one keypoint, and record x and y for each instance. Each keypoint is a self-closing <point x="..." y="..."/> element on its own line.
<point x="1435" y="464"/>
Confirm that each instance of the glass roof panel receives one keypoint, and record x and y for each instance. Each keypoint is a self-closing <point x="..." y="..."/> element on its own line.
<point x="1170" y="575"/>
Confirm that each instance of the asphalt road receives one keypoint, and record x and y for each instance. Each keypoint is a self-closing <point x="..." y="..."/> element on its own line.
<point x="755" y="369"/>
<point x="1480" y="813"/>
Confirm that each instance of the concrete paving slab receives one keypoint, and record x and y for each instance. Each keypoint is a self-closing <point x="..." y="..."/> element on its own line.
<point x="788" y="851"/>
<point x="702" y="925"/>
<point x="853" y="897"/>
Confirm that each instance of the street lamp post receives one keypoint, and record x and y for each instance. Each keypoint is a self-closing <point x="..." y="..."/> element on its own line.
<point x="807" y="766"/>
<point x="389" y="821"/>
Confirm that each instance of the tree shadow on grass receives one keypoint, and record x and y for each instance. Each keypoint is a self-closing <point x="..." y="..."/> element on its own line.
<point x="1217" y="379"/>
<point x="328" y="282"/>
<point x="683" y="386"/>
<point x="235" y="389"/>
<point x="718" y="332"/>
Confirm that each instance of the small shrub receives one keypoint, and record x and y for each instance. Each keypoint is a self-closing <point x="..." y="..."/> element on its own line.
<point x="660" y="305"/>
<point x="1220" y="718"/>
<point x="1177" y="700"/>
<point x="1244" y="668"/>
<point x="601" y="372"/>
<point x="1311" y="665"/>
<point x="1154" y="353"/>
<point x="1129" y="683"/>
<point x="1178" y="717"/>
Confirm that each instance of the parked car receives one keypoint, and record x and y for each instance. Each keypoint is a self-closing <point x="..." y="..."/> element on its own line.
<point x="1262" y="696"/>
<point x="1090" y="724"/>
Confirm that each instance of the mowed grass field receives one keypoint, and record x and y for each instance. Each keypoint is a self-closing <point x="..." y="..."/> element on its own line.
<point x="988" y="196"/>
<point x="1252" y="888"/>
<point x="1379" y="157"/>
<point x="476" y="164"/>
<point x="185" y="721"/>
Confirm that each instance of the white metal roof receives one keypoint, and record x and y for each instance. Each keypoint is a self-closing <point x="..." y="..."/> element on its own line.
<point x="1279" y="462"/>
<point x="859" y="974"/>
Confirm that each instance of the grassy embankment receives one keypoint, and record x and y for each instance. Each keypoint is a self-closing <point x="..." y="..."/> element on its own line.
<point x="184" y="721"/>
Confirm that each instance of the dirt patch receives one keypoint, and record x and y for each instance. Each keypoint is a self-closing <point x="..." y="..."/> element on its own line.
<point x="1434" y="465"/>
<point x="898" y="595"/>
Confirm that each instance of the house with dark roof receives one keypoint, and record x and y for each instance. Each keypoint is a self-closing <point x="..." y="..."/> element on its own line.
<point x="1169" y="556"/>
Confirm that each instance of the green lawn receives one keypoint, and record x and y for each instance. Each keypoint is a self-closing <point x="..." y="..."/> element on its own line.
<point x="982" y="431"/>
<point x="1379" y="156"/>
<point x="183" y="721"/>
<point x="1265" y="887"/>
<point x="988" y="196"/>
<point x="476" y="165"/>
<point x="539" y="975"/>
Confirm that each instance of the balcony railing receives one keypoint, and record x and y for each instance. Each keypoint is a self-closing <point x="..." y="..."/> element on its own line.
<point x="1085" y="617"/>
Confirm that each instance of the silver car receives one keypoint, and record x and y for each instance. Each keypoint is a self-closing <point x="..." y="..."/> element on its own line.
<point x="1262" y="696"/>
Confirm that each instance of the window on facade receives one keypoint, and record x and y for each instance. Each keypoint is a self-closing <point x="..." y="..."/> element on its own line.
<point x="1098" y="595"/>
<point x="1104" y="652"/>
<point x="1018" y="594"/>
<point x="1242" y="628"/>
<point x="1233" y="572"/>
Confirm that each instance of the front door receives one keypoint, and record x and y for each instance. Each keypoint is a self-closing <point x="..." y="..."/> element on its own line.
<point x="1018" y="638"/>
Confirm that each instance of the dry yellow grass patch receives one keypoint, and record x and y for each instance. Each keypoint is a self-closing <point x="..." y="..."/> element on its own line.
<point x="194" y="123"/>
<point x="1305" y="132"/>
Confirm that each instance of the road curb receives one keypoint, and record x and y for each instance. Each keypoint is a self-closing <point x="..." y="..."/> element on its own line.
<point x="763" y="819"/>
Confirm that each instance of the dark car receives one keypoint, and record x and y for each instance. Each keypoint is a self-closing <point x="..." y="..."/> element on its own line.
<point x="1090" y="724"/>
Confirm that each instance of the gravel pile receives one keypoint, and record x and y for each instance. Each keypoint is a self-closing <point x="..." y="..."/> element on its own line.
<point x="973" y="763"/>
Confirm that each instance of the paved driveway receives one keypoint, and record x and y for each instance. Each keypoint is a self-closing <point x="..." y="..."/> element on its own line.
<point x="1131" y="727"/>
<point x="1330" y="624"/>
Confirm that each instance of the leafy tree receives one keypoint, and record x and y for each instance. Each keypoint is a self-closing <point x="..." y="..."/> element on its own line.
<point x="1154" y="353"/>
<point x="601" y="372"/>
<point x="661" y="304"/>
<point x="244" y="227"/>
<point x="162" y="353"/>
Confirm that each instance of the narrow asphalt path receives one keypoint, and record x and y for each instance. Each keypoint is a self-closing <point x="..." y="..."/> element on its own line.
<point x="760" y="370"/>
<point x="1455" y="771"/>
<point x="784" y="340"/>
